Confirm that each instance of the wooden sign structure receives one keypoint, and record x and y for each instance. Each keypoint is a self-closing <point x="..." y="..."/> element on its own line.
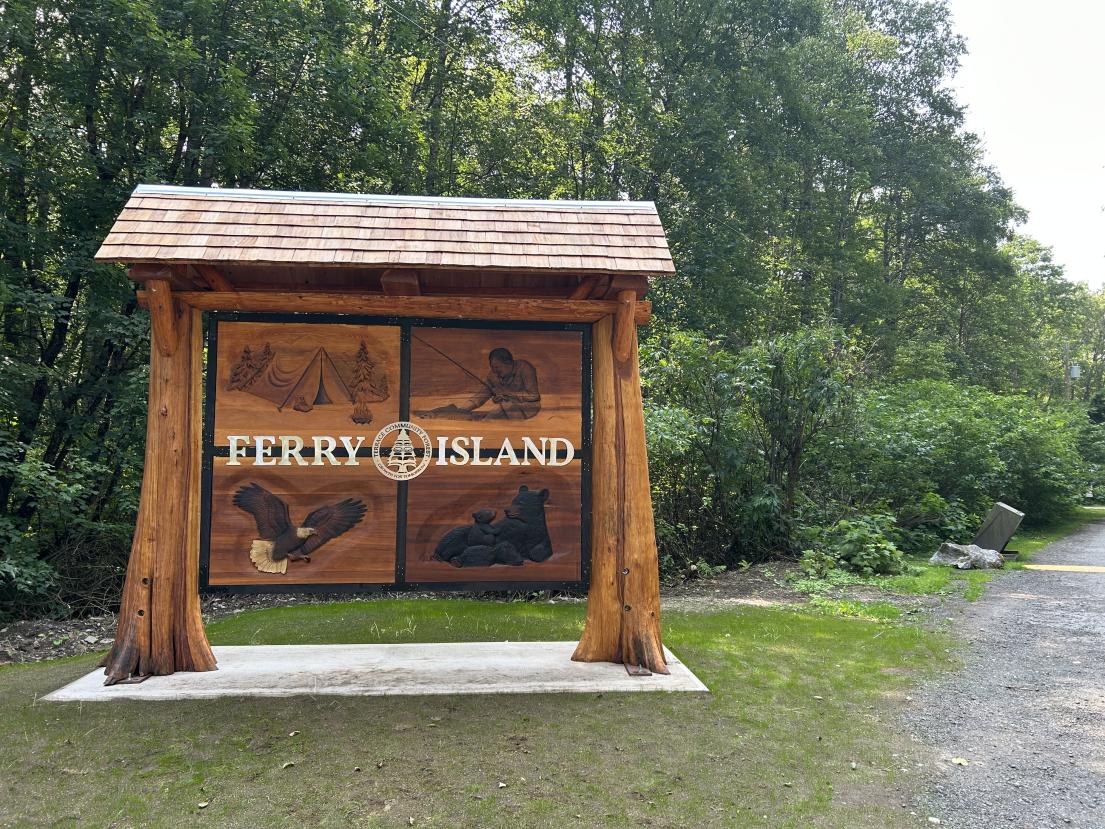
<point x="401" y="391"/>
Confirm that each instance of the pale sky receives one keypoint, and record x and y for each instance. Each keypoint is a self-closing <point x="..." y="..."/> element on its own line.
<point x="1034" y="86"/>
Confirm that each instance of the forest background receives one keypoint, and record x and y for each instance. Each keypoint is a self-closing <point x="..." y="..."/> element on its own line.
<point x="859" y="353"/>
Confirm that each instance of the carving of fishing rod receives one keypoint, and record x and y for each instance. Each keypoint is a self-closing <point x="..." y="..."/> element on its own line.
<point x="511" y="383"/>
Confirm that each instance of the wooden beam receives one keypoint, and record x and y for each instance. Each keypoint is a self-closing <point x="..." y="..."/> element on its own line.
<point x="159" y="299"/>
<point x="214" y="278"/>
<point x="399" y="282"/>
<point x="142" y="273"/>
<point x="598" y="290"/>
<point x="623" y="604"/>
<point x="641" y="649"/>
<point x="637" y="284"/>
<point x="601" y="638"/>
<point x="584" y="288"/>
<point x="190" y="647"/>
<point x="523" y="309"/>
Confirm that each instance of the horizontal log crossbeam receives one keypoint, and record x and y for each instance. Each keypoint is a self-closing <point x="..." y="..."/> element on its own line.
<point x="521" y="309"/>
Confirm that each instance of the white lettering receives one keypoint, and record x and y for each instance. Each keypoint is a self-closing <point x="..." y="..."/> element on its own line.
<point x="530" y="449"/>
<point x="236" y="450"/>
<point x="570" y="452"/>
<point x="476" y="459"/>
<point x="264" y="444"/>
<point x="290" y="447"/>
<point x="507" y="451"/>
<point x="460" y="448"/>
<point x="324" y="448"/>
<point x="352" y="450"/>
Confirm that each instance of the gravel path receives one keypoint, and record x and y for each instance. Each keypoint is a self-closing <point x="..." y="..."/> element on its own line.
<point x="1027" y="711"/>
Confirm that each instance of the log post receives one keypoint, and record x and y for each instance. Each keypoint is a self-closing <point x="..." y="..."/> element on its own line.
<point x="602" y="632"/>
<point x="160" y="629"/>
<point x="163" y="315"/>
<point x="623" y="606"/>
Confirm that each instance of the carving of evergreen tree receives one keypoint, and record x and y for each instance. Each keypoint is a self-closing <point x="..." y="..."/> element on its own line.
<point x="363" y="371"/>
<point x="402" y="453"/>
<point x="243" y="371"/>
<point x="266" y="357"/>
<point x="369" y="385"/>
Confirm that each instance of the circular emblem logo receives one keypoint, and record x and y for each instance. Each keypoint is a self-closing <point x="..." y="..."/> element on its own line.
<point x="403" y="461"/>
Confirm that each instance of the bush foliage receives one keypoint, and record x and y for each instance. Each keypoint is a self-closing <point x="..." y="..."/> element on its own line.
<point x="875" y="472"/>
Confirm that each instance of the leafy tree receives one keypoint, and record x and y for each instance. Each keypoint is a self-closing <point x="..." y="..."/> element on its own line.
<point x="807" y="156"/>
<point x="794" y="388"/>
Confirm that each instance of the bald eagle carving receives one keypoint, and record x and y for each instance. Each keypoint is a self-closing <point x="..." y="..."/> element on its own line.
<point x="281" y="542"/>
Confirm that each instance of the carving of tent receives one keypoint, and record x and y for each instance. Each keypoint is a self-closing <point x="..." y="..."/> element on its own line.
<point x="319" y="383"/>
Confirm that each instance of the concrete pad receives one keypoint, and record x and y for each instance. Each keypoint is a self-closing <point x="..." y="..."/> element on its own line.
<point x="386" y="670"/>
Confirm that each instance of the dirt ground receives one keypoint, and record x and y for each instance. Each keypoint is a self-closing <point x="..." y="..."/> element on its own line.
<point x="33" y="640"/>
<point x="762" y="585"/>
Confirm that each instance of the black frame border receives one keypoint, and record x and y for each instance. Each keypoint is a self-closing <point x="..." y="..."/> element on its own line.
<point x="400" y="585"/>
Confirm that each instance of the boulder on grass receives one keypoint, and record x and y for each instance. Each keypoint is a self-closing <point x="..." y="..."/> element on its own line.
<point x="967" y="557"/>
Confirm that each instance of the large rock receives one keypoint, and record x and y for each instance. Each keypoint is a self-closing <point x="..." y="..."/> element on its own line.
<point x="967" y="557"/>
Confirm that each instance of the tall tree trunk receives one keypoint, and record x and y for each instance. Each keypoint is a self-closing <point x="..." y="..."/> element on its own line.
<point x="442" y="30"/>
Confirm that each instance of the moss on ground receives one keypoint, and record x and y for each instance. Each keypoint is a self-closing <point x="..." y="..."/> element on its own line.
<point x="797" y="698"/>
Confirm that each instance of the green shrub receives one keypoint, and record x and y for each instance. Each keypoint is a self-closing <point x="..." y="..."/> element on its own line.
<point x="25" y="580"/>
<point x="704" y="475"/>
<point x="866" y="545"/>
<point x="917" y="444"/>
<point x="818" y="563"/>
<point x="910" y="465"/>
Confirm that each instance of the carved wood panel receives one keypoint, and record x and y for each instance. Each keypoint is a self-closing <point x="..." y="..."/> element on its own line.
<point x="454" y="368"/>
<point x="531" y="534"/>
<point x="292" y="378"/>
<point x="363" y="553"/>
<point x="486" y="485"/>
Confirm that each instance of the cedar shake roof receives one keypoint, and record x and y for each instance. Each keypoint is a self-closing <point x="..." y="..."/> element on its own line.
<point x="191" y="225"/>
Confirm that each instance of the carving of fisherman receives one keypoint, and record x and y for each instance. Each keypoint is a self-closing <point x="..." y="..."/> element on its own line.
<point x="511" y="384"/>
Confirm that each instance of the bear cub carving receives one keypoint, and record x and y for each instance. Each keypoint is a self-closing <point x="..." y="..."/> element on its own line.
<point x="523" y="535"/>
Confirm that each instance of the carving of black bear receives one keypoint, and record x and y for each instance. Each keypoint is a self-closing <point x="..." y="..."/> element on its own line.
<point x="522" y="535"/>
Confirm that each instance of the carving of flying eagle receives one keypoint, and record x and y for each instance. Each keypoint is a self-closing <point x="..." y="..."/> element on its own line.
<point x="280" y="541"/>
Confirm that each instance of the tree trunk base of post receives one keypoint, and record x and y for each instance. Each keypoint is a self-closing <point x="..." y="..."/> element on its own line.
<point x="160" y="628"/>
<point x="623" y="604"/>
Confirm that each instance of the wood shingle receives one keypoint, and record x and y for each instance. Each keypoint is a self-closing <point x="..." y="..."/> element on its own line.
<point x="184" y="225"/>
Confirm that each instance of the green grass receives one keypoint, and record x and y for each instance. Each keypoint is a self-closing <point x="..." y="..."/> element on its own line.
<point x="872" y="611"/>
<point x="924" y="579"/>
<point x="930" y="579"/>
<point x="722" y="759"/>
<point x="937" y="579"/>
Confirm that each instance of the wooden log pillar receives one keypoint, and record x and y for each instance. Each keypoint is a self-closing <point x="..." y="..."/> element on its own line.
<point x="160" y="629"/>
<point x="623" y="605"/>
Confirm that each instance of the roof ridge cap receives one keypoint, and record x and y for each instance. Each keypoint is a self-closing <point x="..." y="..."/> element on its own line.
<point x="380" y="199"/>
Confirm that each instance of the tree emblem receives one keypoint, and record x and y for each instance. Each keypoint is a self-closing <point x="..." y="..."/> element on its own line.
<point x="402" y="456"/>
<point x="409" y="454"/>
